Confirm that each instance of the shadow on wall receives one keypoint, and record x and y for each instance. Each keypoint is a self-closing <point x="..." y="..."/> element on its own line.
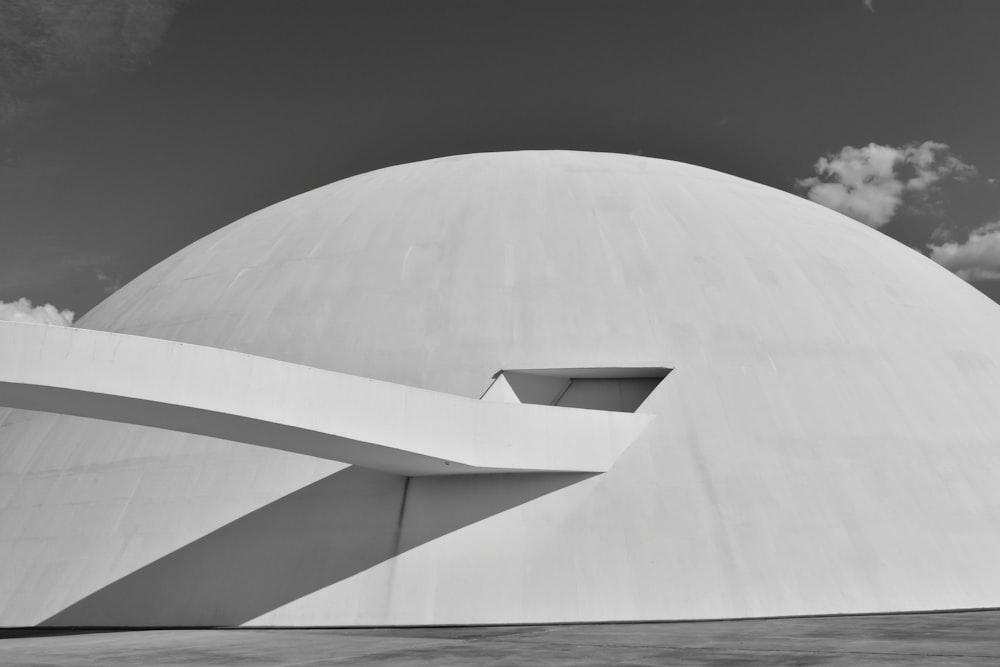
<point x="312" y="538"/>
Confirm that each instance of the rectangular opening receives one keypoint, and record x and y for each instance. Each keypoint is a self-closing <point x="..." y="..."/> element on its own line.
<point x="613" y="389"/>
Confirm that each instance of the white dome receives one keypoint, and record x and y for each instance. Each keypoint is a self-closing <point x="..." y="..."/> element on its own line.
<point x="828" y="442"/>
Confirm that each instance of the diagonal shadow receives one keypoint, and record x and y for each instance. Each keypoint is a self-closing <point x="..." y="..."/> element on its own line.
<point x="314" y="537"/>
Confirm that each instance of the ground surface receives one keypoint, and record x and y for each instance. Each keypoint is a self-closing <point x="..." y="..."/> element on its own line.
<point x="967" y="638"/>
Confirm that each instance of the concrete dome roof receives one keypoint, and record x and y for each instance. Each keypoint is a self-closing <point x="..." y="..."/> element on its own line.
<point x="422" y="273"/>
<point x="827" y="442"/>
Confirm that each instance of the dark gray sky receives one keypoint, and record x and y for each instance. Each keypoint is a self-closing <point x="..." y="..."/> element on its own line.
<point x="129" y="129"/>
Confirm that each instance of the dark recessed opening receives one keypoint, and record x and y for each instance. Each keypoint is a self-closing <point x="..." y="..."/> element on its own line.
<point x="613" y="389"/>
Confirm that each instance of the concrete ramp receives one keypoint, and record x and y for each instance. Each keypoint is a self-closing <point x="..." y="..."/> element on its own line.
<point x="269" y="403"/>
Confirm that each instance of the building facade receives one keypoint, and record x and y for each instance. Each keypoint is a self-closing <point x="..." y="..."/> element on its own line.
<point x="821" y="429"/>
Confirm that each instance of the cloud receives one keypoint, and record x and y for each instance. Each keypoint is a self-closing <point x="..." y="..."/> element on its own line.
<point x="109" y="284"/>
<point x="978" y="258"/>
<point x="53" y="48"/>
<point x="43" y="261"/>
<point x="869" y="5"/>
<point x="22" y="311"/>
<point x="871" y="183"/>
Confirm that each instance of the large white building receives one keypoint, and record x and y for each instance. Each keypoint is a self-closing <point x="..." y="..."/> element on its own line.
<point x="796" y="414"/>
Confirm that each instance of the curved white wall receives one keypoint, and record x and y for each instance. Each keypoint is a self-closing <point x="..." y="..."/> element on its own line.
<point x="828" y="442"/>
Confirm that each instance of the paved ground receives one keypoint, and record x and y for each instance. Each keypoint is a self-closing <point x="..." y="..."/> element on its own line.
<point x="968" y="638"/>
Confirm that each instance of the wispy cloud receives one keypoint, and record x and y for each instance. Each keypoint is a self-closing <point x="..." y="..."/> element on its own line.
<point x="109" y="285"/>
<point x="53" y="48"/>
<point x="869" y="5"/>
<point x="978" y="258"/>
<point x="872" y="183"/>
<point x="21" y="310"/>
<point x="43" y="261"/>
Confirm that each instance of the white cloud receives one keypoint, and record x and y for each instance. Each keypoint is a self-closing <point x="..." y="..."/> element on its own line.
<point x="870" y="183"/>
<point x="976" y="259"/>
<point x="22" y="311"/>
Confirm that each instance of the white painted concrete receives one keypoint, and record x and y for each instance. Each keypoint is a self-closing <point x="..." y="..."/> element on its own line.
<point x="828" y="443"/>
<point x="246" y="398"/>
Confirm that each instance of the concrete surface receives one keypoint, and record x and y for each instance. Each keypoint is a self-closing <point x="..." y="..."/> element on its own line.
<point x="964" y="638"/>
<point x="828" y="441"/>
<point x="247" y="398"/>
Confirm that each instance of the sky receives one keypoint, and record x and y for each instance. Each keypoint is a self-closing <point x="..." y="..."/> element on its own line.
<point x="131" y="128"/>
